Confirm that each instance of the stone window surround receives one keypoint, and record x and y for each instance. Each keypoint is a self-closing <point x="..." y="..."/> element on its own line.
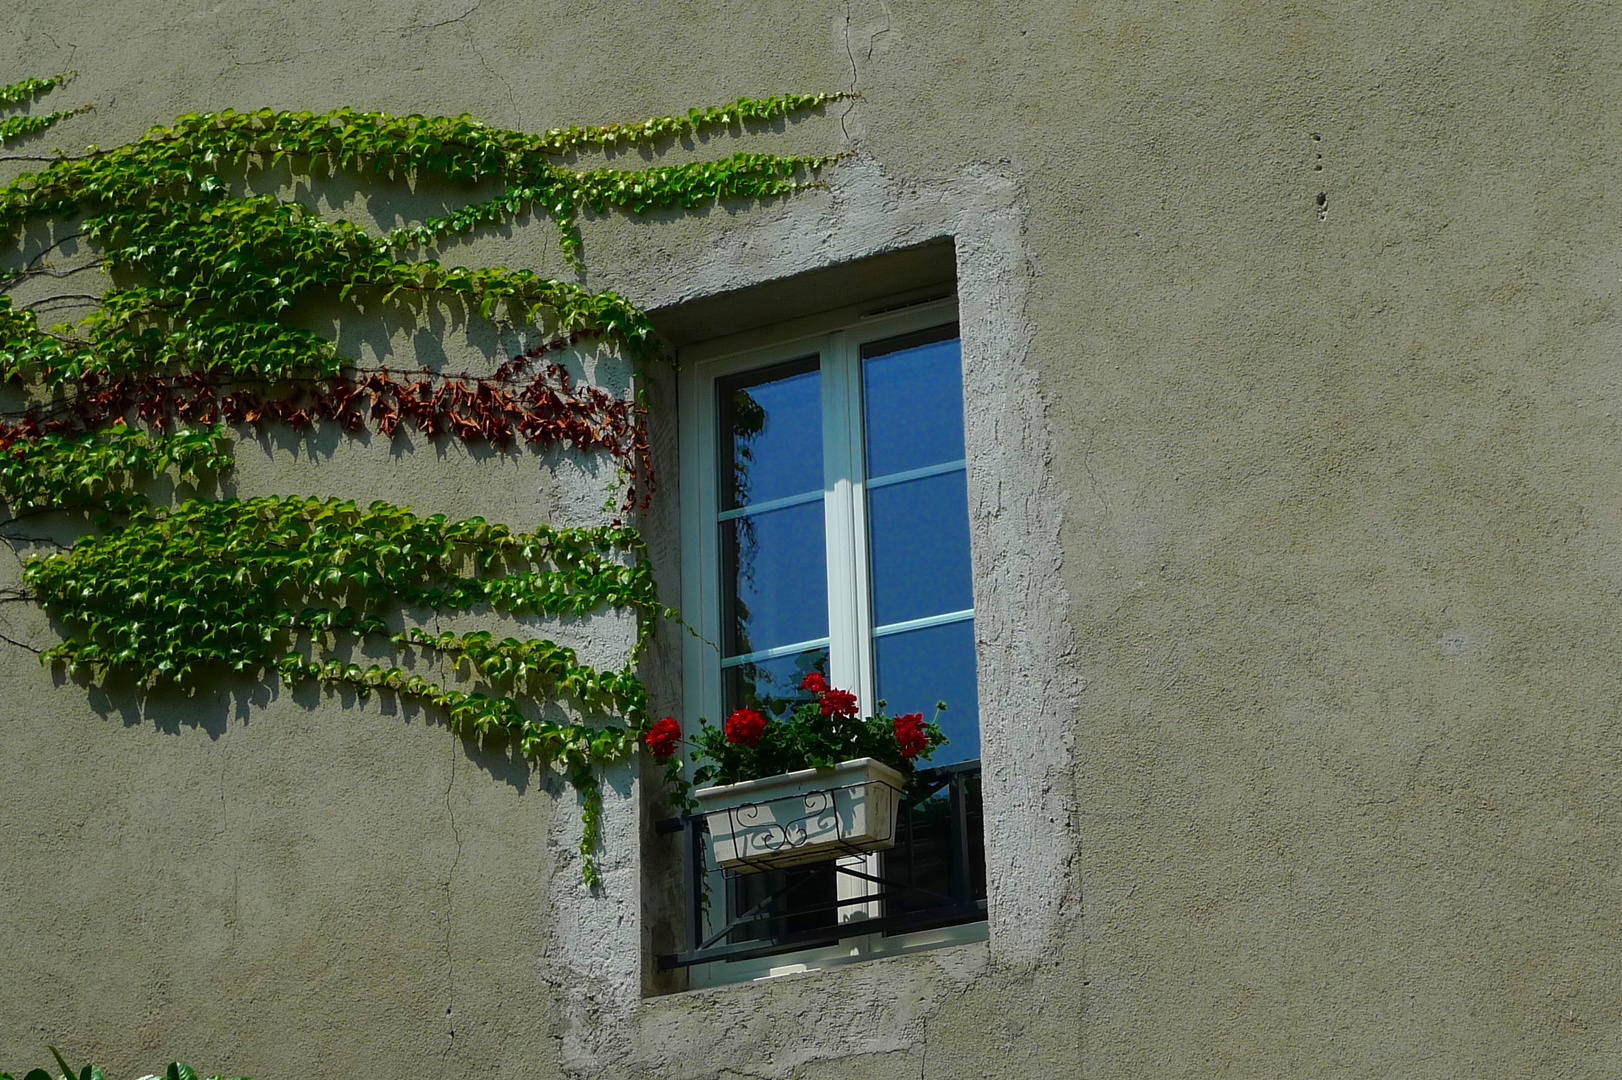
<point x="598" y="946"/>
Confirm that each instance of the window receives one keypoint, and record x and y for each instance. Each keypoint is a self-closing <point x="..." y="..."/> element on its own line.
<point x="829" y="526"/>
<point x="826" y="528"/>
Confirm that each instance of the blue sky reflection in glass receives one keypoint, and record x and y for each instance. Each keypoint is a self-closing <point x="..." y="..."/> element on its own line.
<point x="934" y="663"/>
<point x="918" y="532"/>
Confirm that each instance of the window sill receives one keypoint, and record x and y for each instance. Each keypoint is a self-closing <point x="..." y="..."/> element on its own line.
<point x="848" y="952"/>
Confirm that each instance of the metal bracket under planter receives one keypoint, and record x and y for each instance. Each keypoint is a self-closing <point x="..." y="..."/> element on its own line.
<point x="914" y="895"/>
<point x="803" y="817"/>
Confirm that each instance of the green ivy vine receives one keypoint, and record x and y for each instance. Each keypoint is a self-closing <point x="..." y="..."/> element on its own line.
<point x="103" y="469"/>
<point x="13" y="128"/>
<point x="197" y="335"/>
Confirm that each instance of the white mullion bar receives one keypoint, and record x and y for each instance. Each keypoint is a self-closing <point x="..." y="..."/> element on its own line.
<point x="861" y="577"/>
<point x="917" y="474"/>
<point x="926" y="621"/>
<point x="769" y="505"/>
<point x="844" y="631"/>
<point x="858" y="616"/>
<point x="774" y="652"/>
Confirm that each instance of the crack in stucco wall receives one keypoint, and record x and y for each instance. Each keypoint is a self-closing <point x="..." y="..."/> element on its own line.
<point x="450" y="922"/>
<point x="873" y="34"/>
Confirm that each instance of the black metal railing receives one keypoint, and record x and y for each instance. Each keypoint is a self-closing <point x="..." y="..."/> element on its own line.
<point x="935" y="876"/>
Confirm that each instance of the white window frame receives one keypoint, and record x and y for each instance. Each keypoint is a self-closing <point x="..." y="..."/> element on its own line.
<point x="836" y="337"/>
<point x="850" y="623"/>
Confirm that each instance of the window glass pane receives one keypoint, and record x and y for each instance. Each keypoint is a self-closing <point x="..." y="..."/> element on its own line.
<point x="919" y="867"/>
<point x="774" y="578"/>
<point x="771" y="687"/>
<point x="918" y="539"/>
<point x="920" y="667"/>
<point x="912" y="394"/>
<point x="784" y="902"/>
<point x="771" y="432"/>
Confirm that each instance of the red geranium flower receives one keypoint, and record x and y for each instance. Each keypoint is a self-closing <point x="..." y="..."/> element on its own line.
<point x="662" y="737"/>
<point x="910" y="733"/>
<point x="815" y="683"/>
<point x="838" y="703"/>
<point x="745" y="726"/>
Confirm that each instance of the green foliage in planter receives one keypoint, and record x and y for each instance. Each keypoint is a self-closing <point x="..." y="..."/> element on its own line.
<point x="198" y="332"/>
<point x="817" y="732"/>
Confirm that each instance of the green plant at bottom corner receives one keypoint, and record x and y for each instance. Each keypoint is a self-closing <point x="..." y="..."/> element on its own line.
<point x="176" y="1071"/>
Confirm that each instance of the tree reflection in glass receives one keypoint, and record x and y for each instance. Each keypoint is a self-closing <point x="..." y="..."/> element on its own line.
<point x="774" y="565"/>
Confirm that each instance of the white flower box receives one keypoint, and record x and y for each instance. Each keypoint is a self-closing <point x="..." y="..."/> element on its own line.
<point x="803" y="817"/>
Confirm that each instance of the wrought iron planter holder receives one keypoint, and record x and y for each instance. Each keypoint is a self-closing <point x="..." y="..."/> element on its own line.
<point x="777" y="916"/>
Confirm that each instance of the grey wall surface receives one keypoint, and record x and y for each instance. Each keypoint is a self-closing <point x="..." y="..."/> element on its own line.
<point x="1295" y="386"/>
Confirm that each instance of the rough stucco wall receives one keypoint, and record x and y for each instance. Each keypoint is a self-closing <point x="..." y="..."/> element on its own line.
<point x="288" y="883"/>
<point x="1338" y="550"/>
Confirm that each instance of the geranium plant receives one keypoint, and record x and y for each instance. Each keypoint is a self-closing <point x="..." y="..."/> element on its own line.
<point x="816" y="734"/>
